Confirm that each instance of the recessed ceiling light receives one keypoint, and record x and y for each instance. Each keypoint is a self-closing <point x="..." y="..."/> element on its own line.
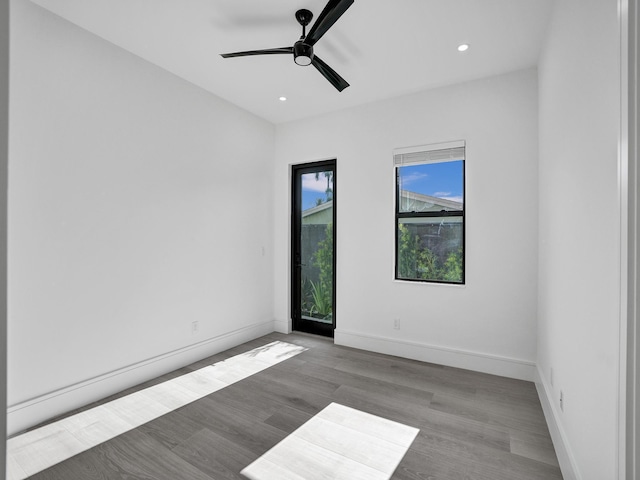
<point x="463" y="48"/>
<point x="283" y="99"/>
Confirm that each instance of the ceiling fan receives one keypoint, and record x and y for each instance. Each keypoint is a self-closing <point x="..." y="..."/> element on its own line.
<point x="302" y="50"/>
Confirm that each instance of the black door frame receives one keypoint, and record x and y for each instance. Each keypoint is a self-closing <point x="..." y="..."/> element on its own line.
<point x="298" y="323"/>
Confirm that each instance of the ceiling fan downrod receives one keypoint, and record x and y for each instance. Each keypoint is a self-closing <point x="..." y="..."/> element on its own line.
<point x="304" y="17"/>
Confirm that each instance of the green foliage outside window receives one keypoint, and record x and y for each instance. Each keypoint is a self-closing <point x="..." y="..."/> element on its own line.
<point x="452" y="271"/>
<point x="417" y="262"/>
<point x="322" y="291"/>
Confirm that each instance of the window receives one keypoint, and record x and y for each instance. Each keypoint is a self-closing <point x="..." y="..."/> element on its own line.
<point x="429" y="220"/>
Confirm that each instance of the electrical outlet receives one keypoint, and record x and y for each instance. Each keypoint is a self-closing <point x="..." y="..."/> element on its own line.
<point x="195" y="327"/>
<point x="561" y="401"/>
<point x="396" y="324"/>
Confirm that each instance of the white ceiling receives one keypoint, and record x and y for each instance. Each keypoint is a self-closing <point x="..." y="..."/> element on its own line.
<point x="383" y="48"/>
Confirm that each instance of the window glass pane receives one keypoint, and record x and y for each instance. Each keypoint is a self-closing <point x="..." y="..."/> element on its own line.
<point x="317" y="189"/>
<point x="430" y="248"/>
<point x="431" y="187"/>
<point x="316" y="247"/>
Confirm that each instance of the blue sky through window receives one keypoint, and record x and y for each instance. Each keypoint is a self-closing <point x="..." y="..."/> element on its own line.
<point x="441" y="180"/>
<point x="314" y="190"/>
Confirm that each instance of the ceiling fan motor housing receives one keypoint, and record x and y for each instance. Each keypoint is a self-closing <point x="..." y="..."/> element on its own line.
<point x="302" y="53"/>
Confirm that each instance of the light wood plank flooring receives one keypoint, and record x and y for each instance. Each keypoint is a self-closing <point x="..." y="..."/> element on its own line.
<point x="472" y="425"/>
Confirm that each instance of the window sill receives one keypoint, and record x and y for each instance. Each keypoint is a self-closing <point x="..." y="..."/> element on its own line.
<point x="433" y="284"/>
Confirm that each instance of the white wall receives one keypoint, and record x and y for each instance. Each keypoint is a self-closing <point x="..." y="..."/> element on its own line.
<point x="4" y="134"/>
<point x="579" y="264"/>
<point x="632" y="126"/>
<point x="138" y="204"/>
<point x="490" y="323"/>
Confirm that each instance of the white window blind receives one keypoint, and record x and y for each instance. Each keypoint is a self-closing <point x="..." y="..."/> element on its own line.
<point x="436" y="152"/>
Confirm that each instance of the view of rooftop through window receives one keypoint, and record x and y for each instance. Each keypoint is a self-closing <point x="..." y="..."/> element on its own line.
<point x="441" y="180"/>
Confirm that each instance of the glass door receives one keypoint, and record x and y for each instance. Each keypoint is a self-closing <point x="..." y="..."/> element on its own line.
<point x="313" y="247"/>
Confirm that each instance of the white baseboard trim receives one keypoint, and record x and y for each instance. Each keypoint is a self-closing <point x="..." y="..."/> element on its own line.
<point x="282" y="326"/>
<point x="26" y="414"/>
<point x="479" y="362"/>
<point x="567" y="462"/>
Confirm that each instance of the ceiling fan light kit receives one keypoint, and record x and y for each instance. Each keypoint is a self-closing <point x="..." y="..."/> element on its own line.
<point x="302" y="53"/>
<point x="302" y="50"/>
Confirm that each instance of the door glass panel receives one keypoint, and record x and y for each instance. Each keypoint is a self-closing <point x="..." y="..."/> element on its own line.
<point x="316" y="247"/>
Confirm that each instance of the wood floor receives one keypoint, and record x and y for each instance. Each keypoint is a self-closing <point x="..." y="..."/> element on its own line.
<point x="472" y="425"/>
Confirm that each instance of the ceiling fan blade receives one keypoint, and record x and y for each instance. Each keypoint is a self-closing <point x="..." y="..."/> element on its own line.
<point x="330" y="15"/>
<point x="330" y="74"/>
<point x="248" y="53"/>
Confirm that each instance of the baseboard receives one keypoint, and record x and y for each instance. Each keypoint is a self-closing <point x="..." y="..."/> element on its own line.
<point x="558" y="436"/>
<point x="282" y="326"/>
<point x="479" y="362"/>
<point x="37" y="410"/>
